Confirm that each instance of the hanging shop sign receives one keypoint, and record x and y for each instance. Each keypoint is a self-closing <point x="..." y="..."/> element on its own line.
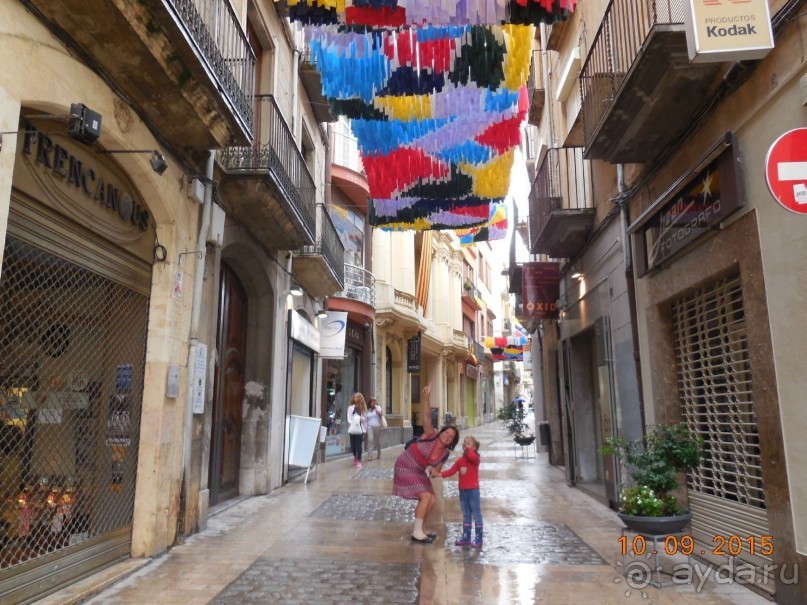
<point x="687" y="214"/>
<point x="786" y="170"/>
<point x="728" y="30"/>
<point x="333" y="329"/>
<point x="413" y="354"/>
<point x="541" y="290"/>
<point x="303" y="331"/>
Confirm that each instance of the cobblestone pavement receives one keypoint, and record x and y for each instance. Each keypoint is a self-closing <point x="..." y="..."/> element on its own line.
<point x="343" y="538"/>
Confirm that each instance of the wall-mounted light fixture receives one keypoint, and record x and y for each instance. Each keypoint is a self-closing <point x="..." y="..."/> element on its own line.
<point x="295" y="290"/>
<point x="157" y="161"/>
<point x="83" y="124"/>
<point x="320" y="306"/>
<point x="576" y="274"/>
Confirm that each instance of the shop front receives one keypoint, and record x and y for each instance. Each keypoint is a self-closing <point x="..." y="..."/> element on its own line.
<point x="74" y="300"/>
<point x="303" y="353"/>
<point x="343" y="378"/>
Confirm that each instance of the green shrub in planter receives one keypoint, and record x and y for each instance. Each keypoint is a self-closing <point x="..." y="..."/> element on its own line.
<point x="655" y="463"/>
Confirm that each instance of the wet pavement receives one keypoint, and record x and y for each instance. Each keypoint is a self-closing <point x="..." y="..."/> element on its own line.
<point x="342" y="538"/>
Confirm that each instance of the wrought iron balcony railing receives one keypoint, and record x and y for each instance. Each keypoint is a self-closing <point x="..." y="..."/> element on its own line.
<point x="276" y="152"/>
<point x="562" y="183"/>
<point x="618" y="42"/>
<point x="213" y="28"/>
<point x="360" y="285"/>
<point x="329" y="246"/>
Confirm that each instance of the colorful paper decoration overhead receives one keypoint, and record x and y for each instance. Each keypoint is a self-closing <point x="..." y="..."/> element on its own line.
<point x="398" y="13"/>
<point x="437" y="96"/>
<point x="494" y="229"/>
<point x="506" y="348"/>
<point x="437" y="113"/>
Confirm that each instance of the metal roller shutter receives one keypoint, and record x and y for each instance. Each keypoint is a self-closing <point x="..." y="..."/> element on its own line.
<point x="726" y="492"/>
<point x="73" y="323"/>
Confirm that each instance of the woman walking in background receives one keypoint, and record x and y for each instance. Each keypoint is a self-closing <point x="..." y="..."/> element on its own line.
<point x="416" y="464"/>
<point x="357" y="426"/>
<point x="374" y="416"/>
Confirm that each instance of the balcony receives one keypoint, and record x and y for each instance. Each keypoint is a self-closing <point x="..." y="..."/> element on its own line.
<point x="320" y="269"/>
<point x="185" y="64"/>
<point x="472" y="297"/>
<point x="312" y="82"/>
<point x="347" y="171"/>
<point x="359" y="285"/>
<point x="639" y="89"/>
<point x="268" y="187"/>
<point x="561" y="212"/>
<point x="536" y="90"/>
<point x="398" y="308"/>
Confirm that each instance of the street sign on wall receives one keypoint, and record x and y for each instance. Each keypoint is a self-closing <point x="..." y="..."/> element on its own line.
<point x="786" y="170"/>
<point x="413" y="354"/>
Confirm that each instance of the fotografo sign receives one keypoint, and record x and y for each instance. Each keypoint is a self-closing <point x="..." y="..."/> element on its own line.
<point x="680" y="218"/>
<point x="727" y="30"/>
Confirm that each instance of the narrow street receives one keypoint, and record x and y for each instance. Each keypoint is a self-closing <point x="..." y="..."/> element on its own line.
<point x="342" y="538"/>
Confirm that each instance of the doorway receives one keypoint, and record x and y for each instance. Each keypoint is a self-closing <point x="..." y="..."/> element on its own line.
<point x="228" y="388"/>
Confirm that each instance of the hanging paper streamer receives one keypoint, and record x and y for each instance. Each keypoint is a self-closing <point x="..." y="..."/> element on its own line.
<point x="494" y="229"/>
<point x="437" y="113"/>
<point x="398" y="13"/>
<point x="506" y="348"/>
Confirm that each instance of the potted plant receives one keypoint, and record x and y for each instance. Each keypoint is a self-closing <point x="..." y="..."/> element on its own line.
<point x="655" y="463"/>
<point x="513" y="418"/>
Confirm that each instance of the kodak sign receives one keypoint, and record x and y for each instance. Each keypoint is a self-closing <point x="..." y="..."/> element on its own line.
<point x="727" y="30"/>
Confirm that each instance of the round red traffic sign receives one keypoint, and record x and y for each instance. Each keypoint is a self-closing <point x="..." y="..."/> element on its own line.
<point x="786" y="170"/>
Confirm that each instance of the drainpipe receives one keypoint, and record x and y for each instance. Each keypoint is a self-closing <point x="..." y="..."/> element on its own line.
<point x="295" y="112"/>
<point x="623" y="212"/>
<point x="193" y="336"/>
<point x="631" y="284"/>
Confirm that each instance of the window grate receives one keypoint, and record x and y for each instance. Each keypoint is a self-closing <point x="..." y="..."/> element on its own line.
<point x="72" y="354"/>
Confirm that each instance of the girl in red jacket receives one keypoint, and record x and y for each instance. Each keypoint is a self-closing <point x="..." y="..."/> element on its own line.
<point x="468" y="467"/>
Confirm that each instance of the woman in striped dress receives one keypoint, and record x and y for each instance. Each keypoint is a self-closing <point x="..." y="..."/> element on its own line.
<point x="420" y="461"/>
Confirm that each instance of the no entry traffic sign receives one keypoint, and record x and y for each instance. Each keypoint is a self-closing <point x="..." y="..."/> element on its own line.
<point x="786" y="170"/>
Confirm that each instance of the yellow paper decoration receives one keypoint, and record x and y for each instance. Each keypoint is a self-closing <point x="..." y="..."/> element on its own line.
<point x="405" y="108"/>
<point x="493" y="178"/>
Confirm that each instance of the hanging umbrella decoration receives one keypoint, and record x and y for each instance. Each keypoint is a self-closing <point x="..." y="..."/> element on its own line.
<point x="436" y="96"/>
<point x="510" y="348"/>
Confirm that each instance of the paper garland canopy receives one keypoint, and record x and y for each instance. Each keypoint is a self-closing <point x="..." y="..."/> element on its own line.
<point x="398" y="13"/>
<point x="494" y="229"/>
<point x="437" y="96"/>
<point x="437" y="113"/>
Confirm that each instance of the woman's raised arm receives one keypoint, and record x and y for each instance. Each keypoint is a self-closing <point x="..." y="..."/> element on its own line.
<point x="428" y="426"/>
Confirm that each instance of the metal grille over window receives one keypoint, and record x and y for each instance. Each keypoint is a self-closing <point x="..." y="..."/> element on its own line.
<point x="714" y="380"/>
<point x="72" y="351"/>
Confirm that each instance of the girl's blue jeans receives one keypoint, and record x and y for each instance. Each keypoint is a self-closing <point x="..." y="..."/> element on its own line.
<point x="471" y="506"/>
